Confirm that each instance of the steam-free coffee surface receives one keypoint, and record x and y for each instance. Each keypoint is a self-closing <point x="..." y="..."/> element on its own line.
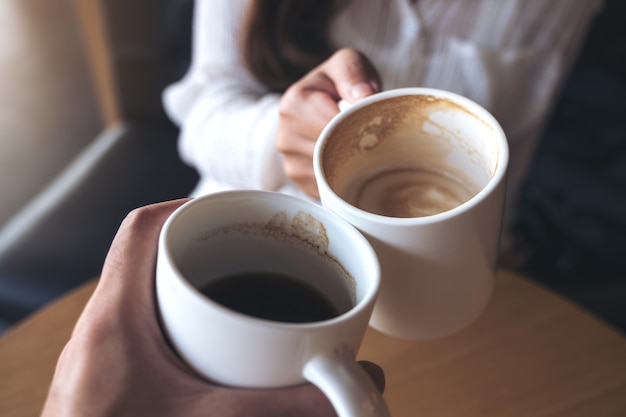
<point x="271" y="296"/>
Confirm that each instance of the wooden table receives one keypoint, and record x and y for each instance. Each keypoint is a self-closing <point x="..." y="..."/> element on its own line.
<point x="531" y="354"/>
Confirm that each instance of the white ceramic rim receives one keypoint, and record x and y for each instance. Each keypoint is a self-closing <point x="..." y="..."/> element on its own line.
<point x="318" y="212"/>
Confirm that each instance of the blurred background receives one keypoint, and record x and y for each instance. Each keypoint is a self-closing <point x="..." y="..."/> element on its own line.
<point x="84" y="140"/>
<point x="573" y="210"/>
<point x="48" y="115"/>
<point x="83" y="136"/>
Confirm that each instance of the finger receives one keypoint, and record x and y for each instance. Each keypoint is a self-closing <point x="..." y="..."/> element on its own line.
<point x="309" y="186"/>
<point x="353" y="75"/>
<point x="293" y="142"/>
<point x="310" y="104"/>
<point x="376" y="373"/>
<point x="127" y="277"/>
<point x="299" y="168"/>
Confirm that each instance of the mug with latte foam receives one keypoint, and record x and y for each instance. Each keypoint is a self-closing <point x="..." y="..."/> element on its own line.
<point x="421" y="173"/>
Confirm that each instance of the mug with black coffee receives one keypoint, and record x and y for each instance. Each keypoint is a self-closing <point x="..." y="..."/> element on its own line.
<point x="260" y="290"/>
<point x="421" y="173"/>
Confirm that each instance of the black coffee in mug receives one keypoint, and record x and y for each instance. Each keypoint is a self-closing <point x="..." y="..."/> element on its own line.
<point x="280" y="270"/>
<point x="271" y="296"/>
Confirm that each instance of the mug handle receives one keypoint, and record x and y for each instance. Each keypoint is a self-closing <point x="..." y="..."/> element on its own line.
<point x="348" y="387"/>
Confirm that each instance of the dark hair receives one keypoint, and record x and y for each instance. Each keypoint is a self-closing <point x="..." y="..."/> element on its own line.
<point x="285" y="39"/>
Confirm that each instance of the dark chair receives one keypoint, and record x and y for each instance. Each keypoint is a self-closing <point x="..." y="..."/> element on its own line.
<point x="61" y="238"/>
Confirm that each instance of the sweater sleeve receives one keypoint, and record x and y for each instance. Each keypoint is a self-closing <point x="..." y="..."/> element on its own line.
<point x="228" y="120"/>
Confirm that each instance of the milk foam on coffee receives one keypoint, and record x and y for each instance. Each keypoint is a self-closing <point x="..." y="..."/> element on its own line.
<point x="394" y="159"/>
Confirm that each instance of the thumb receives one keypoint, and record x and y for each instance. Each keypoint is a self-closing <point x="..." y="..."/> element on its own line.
<point x="353" y="74"/>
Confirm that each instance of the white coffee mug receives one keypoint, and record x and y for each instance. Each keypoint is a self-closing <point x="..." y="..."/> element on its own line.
<point x="239" y="232"/>
<point x="421" y="173"/>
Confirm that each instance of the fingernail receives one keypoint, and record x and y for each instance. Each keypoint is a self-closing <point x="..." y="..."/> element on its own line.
<point x="361" y="90"/>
